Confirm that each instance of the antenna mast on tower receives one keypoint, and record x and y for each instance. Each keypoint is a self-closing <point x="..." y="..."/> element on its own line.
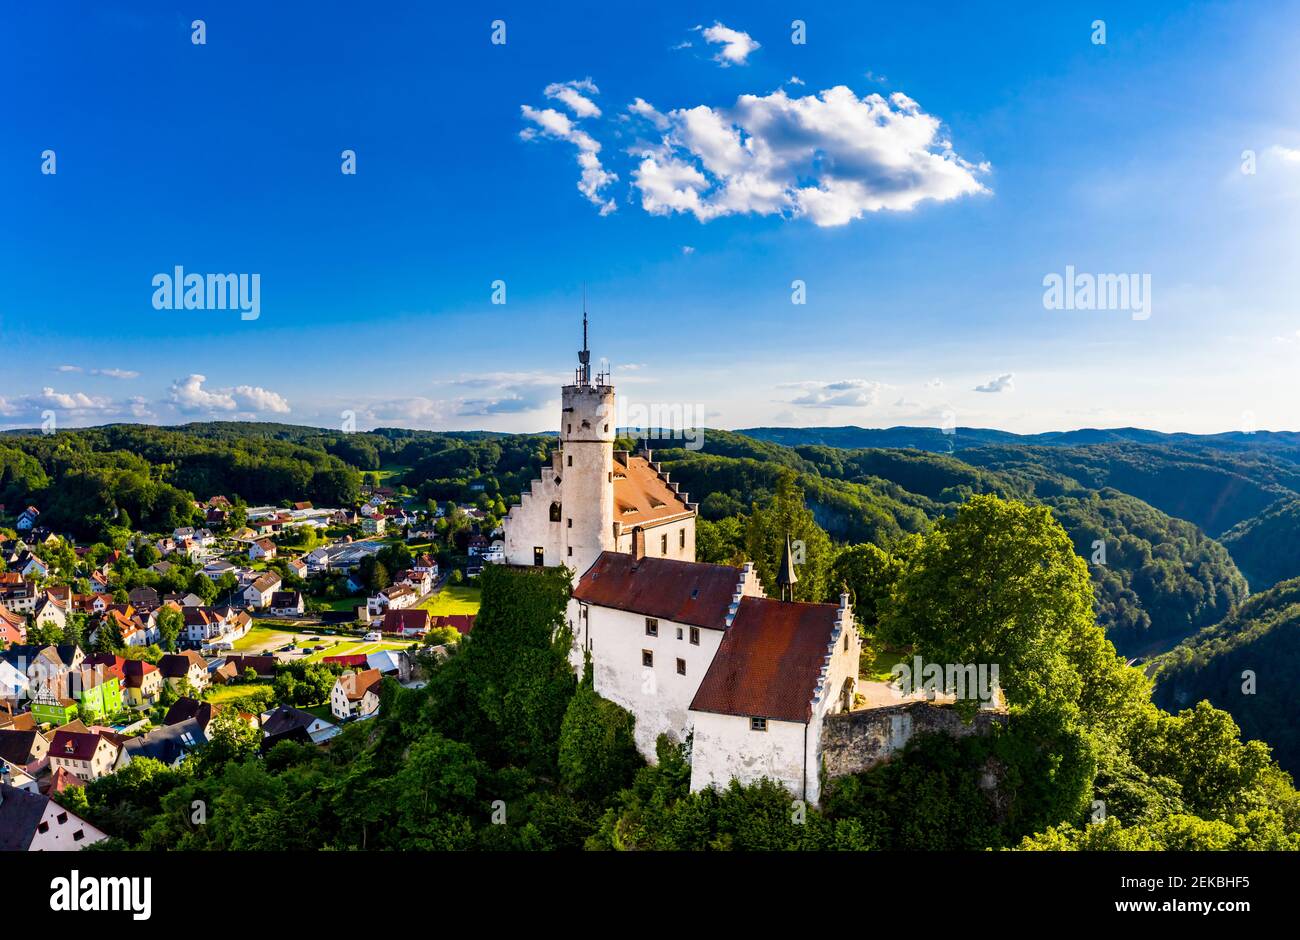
<point x="584" y="355"/>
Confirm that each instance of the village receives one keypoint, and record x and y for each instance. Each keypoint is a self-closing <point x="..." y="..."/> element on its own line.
<point x="282" y="620"/>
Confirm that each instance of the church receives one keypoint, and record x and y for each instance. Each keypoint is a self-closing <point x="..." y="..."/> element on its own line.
<point x="693" y="650"/>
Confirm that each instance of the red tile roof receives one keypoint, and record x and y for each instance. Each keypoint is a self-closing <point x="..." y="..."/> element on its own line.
<point x="463" y="623"/>
<point x="350" y="659"/>
<point x="681" y="591"/>
<point x="769" y="661"/>
<point x="402" y="621"/>
<point x="641" y="497"/>
<point x="75" y="745"/>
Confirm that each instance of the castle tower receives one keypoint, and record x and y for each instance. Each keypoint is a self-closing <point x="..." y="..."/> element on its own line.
<point x="587" y="432"/>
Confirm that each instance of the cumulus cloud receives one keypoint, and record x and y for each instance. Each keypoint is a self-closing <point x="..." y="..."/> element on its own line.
<point x="1003" y="383"/>
<point x="1287" y="154"/>
<point x="548" y="122"/>
<point x="848" y="393"/>
<point x="190" y="397"/>
<point x="69" y="401"/>
<point x="574" y="96"/>
<point x="736" y="45"/>
<point x="831" y="157"/>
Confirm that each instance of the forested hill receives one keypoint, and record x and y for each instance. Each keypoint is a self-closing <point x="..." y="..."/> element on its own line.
<point x="1248" y="665"/>
<point x="1143" y="514"/>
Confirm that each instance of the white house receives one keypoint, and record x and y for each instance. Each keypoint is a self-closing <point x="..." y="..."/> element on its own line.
<point x="30" y="822"/>
<point x="355" y="694"/>
<point x="258" y="594"/>
<point x="261" y="549"/>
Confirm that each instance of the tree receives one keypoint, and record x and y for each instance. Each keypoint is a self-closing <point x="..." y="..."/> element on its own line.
<point x="765" y="537"/>
<point x="598" y="754"/>
<point x="108" y="638"/>
<point x="202" y="585"/>
<point x="147" y="554"/>
<point x="170" y="622"/>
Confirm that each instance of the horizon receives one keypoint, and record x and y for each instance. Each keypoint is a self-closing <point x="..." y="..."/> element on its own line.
<point x="887" y="224"/>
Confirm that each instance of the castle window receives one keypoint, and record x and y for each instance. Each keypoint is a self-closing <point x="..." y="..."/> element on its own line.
<point x="570" y="551"/>
<point x="555" y="512"/>
<point x="758" y="724"/>
<point x="570" y="460"/>
<point x="681" y="667"/>
<point x="679" y="633"/>
<point x="651" y="626"/>
<point x="647" y="658"/>
<point x="681" y="539"/>
<point x="663" y="543"/>
<point x="846" y="640"/>
<point x="607" y="428"/>
<point x="570" y="523"/>
<point x="539" y="555"/>
<point x="695" y="636"/>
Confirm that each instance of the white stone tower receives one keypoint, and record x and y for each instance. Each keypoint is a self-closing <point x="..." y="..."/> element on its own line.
<point x="587" y="432"/>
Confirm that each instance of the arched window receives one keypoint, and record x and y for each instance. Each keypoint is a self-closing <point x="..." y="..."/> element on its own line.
<point x="555" y="512"/>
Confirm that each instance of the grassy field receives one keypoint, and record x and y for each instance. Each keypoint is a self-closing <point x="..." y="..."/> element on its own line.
<point x="271" y="636"/>
<point x="453" y="599"/>
<point x="353" y="648"/>
<point x="220" y="694"/>
<point x="885" y="661"/>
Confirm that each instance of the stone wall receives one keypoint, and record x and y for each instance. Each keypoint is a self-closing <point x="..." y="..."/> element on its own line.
<point x="859" y="740"/>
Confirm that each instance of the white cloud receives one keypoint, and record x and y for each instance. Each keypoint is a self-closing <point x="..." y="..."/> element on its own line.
<point x="1003" y="383"/>
<point x="688" y="249"/>
<point x="1288" y="154"/>
<point x="794" y="80"/>
<point x="69" y="401"/>
<point x="736" y="45"/>
<point x="849" y="393"/>
<point x="571" y="94"/>
<point x="831" y="157"/>
<point x="648" y="111"/>
<point x="109" y="373"/>
<point x="557" y="125"/>
<point x="189" y="396"/>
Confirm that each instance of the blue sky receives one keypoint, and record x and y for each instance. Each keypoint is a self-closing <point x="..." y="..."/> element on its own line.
<point x="1002" y="146"/>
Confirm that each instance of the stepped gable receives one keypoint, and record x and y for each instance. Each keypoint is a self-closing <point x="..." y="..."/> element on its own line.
<point x="772" y="660"/>
<point x="643" y="494"/>
<point x="688" y="592"/>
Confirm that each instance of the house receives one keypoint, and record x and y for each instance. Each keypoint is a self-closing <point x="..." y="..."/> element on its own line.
<point x="50" y="708"/>
<point x="202" y="624"/>
<point x="191" y="709"/>
<point x="218" y="567"/>
<point x="287" y="723"/>
<point x="62" y="780"/>
<point x="395" y="663"/>
<point x="262" y="549"/>
<point x="169" y="744"/>
<point x="355" y="695"/>
<point x="97" y="691"/>
<point x="13" y="627"/>
<point x="16" y="593"/>
<point x="301" y="506"/>
<point x="406" y="622"/>
<point x="425" y="562"/>
<point x="461" y="623"/>
<point x="298" y="567"/>
<point x="264" y="666"/>
<point x="187" y="665"/>
<point x="287" y="604"/>
<point x="23" y="749"/>
<point x="395" y="597"/>
<point x="187" y="599"/>
<point x="476" y="544"/>
<point x="258" y="594"/>
<point x="13" y="683"/>
<point x="421" y="581"/>
<point x="142" y="684"/>
<point x="18" y="778"/>
<point x="215" y="517"/>
<point x="243" y="534"/>
<point x="144" y="599"/>
<point x="373" y="525"/>
<point x="30" y="822"/>
<point x="88" y="754"/>
<point x="28" y="519"/>
<point x="49" y="612"/>
<point x="47" y="667"/>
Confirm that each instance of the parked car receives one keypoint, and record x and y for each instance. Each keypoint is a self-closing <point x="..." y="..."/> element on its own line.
<point x="374" y="636"/>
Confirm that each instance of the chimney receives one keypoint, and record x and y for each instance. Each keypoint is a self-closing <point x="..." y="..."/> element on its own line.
<point x="638" y="545"/>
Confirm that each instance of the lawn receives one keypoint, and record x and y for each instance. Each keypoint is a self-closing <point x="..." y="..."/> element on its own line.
<point x="271" y="636"/>
<point x="453" y="599"/>
<point x="885" y="661"/>
<point x="353" y="649"/>
<point x="219" y="694"/>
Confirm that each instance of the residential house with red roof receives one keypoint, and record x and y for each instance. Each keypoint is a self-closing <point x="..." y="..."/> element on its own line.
<point x="88" y="754"/>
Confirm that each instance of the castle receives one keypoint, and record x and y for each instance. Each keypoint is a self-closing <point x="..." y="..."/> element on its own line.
<point x="695" y="651"/>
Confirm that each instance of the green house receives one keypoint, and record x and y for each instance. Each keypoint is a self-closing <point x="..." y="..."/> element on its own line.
<point x="99" y="695"/>
<point x="48" y="708"/>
